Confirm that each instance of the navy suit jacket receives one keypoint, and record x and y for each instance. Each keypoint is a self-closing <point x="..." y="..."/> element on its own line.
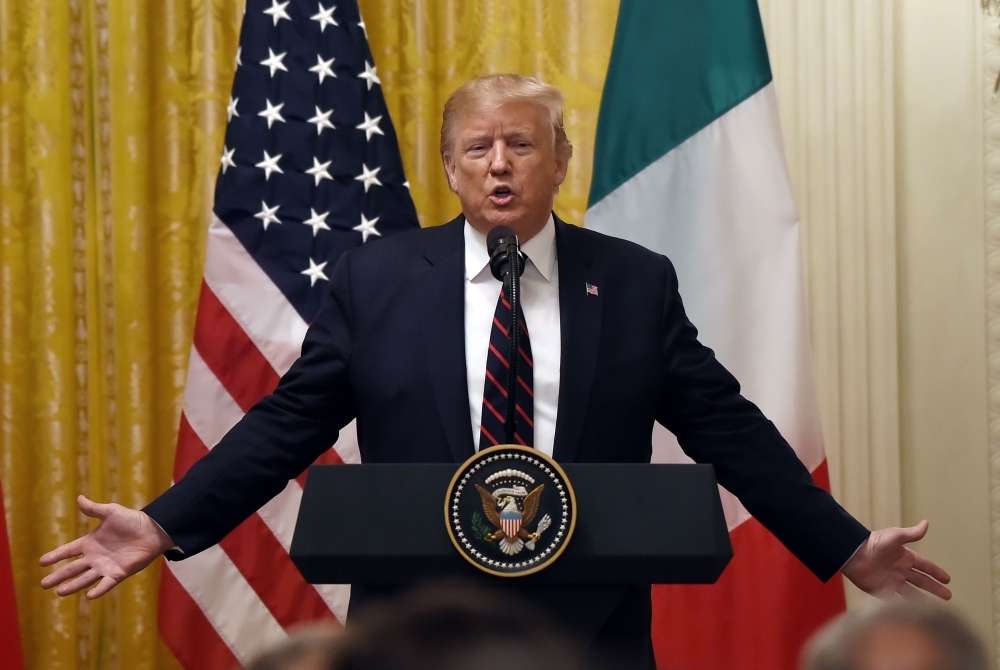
<point x="388" y="348"/>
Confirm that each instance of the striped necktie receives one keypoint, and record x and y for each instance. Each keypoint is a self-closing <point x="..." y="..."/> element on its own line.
<point x="495" y="391"/>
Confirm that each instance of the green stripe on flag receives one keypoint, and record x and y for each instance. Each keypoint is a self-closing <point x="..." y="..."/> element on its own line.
<point x="676" y="66"/>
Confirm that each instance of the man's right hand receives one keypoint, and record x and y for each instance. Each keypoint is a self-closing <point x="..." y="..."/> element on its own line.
<point x="125" y="542"/>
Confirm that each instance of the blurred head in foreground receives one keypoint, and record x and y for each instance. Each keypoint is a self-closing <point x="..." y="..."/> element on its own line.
<point x="900" y="635"/>
<point x="453" y="628"/>
<point x="306" y="649"/>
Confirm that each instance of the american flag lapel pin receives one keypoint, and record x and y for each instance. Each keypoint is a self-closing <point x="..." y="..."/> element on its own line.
<point x="591" y="289"/>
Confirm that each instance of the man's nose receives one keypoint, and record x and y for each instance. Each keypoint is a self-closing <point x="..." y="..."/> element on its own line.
<point x="500" y="163"/>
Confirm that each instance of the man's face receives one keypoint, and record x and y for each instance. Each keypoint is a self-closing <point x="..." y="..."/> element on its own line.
<point x="504" y="169"/>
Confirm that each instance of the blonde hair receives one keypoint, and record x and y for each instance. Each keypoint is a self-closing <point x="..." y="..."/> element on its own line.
<point x="494" y="90"/>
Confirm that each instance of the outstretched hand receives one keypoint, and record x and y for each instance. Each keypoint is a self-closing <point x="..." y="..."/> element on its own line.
<point x="125" y="542"/>
<point x="883" y="566"/>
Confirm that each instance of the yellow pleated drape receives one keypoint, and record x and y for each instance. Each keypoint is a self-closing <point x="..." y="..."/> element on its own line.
<point x="112" y="117"/>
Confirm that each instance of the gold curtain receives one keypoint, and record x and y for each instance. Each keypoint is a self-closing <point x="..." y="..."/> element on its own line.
<point x="112" y="117"/>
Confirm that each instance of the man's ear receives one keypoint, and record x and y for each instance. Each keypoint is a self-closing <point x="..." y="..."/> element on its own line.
<point x="449" y="170"/>
<point x="562" y="165"/>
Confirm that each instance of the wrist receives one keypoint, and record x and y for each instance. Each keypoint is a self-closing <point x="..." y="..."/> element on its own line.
<point x="163" y="541"/>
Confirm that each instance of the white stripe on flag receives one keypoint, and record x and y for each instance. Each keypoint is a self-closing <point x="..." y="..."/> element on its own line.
<point x="253" y="300"/>
<point x="209" y="408"/>
<point x="220" y="590"/>
<point x="721" y="208"/>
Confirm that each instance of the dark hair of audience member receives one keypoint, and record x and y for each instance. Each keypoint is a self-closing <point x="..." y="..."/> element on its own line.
<point x="911" y="634"/>
<point x="453" y="628"/>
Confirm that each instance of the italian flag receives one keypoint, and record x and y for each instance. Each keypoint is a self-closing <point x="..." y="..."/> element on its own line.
<point x="689" y="162"/>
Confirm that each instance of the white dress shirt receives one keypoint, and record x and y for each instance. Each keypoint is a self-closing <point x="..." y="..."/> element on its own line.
<point x="540" y="307"/>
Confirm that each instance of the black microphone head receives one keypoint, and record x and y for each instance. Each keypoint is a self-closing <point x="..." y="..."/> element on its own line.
<point x="496" y="236"/>
<point x="498" y="241"/>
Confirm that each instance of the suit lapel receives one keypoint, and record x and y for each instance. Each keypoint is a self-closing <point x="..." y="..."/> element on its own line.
<point x="441" y="291"/>
<point x="580" y="326"/>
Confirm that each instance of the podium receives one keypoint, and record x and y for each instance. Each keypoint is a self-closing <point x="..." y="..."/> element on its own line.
<point x="637" y="524"/>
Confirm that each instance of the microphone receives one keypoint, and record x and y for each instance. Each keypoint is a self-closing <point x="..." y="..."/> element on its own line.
<point x="501" y="242"/>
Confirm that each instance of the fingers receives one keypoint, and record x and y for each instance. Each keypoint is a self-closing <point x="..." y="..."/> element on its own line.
<point x="106" y="585"/>
<point x="81" y="582"/>
<point x="65" y="572"/>
<point x="922" y="581"/>
<point x="913" y="533"/>
<point x="68" y="550"/>
<point x="931" y="568"/>
<point x="94" y="510"/>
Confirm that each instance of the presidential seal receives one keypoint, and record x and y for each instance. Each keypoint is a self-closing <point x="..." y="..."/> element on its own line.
<point x="510" y="510"/>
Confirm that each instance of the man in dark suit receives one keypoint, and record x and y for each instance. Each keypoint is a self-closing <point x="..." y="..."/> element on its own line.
<point x="404" y="342"/>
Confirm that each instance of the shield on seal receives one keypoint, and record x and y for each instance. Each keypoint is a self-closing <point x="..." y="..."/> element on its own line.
<point x="510" y="518"/>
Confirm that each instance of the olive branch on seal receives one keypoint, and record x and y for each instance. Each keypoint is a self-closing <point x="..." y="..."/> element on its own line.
<point x="479" y="527"/>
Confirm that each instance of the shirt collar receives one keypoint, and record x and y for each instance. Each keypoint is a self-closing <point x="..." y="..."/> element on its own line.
<point x="540" y="250"/>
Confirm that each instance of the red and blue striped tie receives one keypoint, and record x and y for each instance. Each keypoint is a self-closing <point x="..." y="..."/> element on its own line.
<point x="495" y="391"/>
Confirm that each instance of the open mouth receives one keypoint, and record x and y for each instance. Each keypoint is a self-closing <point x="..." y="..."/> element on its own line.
<point x="501" y="195"/>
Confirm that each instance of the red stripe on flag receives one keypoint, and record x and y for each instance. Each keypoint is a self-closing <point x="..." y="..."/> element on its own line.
<point x="758" y="615"/>
<point x="189" y="449"/>
<point x="230" y="354"/>
<point x="10" y="630"/>
<point x="187" y="631"/>
<point x="266" y="566"/>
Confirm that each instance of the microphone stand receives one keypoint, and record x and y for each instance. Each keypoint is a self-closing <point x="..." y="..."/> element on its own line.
<point x="512" y="280"/>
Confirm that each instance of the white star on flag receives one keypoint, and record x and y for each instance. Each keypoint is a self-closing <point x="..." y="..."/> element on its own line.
<point x="319" y="170"/>
<point x="322" y="68"/>
<point x="370" y="75"/>
<point x="321" y="120"/>
<point x="317" y="221"/>
<point x="368" y="176"/>
<point x="315" y="272"/>
<point x="227" y="158"/>
<point x="274" y="61"/>
<point x="367" y="228"/>
<point x="361" y="24"/>
<point x="239" y="54"/>
<point x="267" y="214"/>
<point x="370" y="126"/>
<point x="277" y="11"/>
<point x="407" y="184"/>
<point x="325" y="17"/>
<point x="231" y="109"/>
<point x="272" y="113"/>
<point x="269" y="165"/>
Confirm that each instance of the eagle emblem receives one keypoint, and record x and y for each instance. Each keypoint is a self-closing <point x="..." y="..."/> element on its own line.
<point x="510" y="510"/>
<point x="510" y="519"/>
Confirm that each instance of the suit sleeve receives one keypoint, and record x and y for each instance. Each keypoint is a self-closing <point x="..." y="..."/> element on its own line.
<point x="702" y="405"/>
<point x="275" y="441"/>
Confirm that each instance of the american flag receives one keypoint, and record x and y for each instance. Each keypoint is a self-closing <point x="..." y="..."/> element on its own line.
<point x="310" y="169"/>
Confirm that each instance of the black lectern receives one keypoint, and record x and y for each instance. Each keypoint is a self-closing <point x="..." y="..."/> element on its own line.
<point x="636" y="524"/>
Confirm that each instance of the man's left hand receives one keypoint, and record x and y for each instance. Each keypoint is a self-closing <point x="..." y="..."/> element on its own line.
<point x="883" y="566"/>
